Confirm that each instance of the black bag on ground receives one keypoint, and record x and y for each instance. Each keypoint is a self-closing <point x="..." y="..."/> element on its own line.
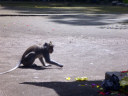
<point x="111" y="84"/>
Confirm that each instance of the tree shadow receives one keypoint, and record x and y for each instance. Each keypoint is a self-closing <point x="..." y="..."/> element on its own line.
<point x="85" y="20"/>
<point x="71" y="16"/>
<point x="45" y="9"/>
<point x="74" y="88"/>
<point x="61" y="7"/>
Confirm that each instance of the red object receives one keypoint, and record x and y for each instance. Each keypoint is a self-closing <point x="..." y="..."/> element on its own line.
<point x="92" y="86"/>
<point x="102" y="93"/>
<point x="124" y="71"/>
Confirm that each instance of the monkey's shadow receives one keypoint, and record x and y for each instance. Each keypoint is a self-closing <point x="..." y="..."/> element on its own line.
<point x="36" y="67"/>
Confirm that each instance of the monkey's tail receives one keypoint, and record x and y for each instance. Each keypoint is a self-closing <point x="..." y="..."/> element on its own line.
<point x="11" y="69"/>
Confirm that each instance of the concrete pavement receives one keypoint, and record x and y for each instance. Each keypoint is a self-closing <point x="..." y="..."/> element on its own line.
<point x="87" y="45"/>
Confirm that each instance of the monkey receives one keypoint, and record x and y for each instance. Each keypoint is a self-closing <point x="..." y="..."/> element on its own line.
<point x="34" y="52"/>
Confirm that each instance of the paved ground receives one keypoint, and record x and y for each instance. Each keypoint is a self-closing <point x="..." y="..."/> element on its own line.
<point x="87" y="45"/>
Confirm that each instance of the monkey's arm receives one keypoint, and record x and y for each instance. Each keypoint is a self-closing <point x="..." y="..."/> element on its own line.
<point x="47" y="59"/>
<point x="42" y="61"/>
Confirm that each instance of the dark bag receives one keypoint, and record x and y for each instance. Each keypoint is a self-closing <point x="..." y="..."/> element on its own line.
<point x="111" y="84"/>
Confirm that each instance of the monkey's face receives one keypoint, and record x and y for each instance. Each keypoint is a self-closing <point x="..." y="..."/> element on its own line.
<point x="50" y="49"/>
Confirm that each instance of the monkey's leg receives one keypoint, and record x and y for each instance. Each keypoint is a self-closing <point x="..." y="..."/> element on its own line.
<point x="29" y="60"/>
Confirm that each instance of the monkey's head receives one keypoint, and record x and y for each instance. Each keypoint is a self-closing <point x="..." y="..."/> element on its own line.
<point x="49" y="47"/>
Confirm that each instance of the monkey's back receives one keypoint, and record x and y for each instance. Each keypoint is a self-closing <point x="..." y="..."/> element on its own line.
<point x="33" y="48"/>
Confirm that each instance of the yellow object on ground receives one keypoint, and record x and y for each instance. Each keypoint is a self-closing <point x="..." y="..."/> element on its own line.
<point x="68" y="78"/>
<point x="124" y="81"/>
<point x="81" y="78"/>
<point x="97" y="86"/>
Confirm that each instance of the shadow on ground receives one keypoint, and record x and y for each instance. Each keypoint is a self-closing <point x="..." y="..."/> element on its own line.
<point x="71" y="16"/>
<point x="85" y="20"/>
<point x="77" y="88"/>
<point x="69" y="88"/>
<point x="62" y="7"/>
<point x="37" y="67"/>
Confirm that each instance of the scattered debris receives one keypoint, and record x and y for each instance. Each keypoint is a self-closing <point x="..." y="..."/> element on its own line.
<point x="110" y="86"/>
<point x="81" y="78"/>
<point x="78" y="78"/>
<point x="68" y="78"/>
